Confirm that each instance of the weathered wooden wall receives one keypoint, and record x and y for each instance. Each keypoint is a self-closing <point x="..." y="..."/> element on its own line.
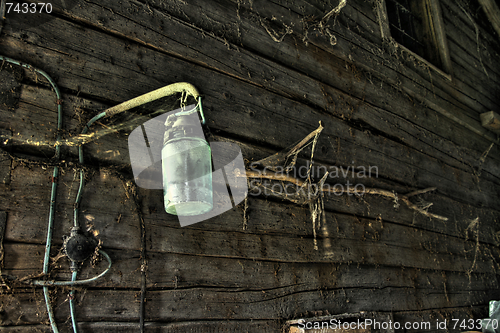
<point x="268" y="76"/>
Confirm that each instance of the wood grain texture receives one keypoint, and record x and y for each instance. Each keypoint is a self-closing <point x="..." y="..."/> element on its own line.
<point x="269" y="72"/>
<point x="236" y="304"/>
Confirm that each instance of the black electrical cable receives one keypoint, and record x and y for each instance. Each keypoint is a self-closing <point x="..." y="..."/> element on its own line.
<point x="142" y="309"/>
<point x="143" y="274"/>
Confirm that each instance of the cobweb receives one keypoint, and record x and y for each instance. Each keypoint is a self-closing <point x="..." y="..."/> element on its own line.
<point x="306" y="192"/>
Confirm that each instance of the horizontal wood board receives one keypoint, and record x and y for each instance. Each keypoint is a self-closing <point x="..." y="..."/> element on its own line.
<point x="269" y="74"/>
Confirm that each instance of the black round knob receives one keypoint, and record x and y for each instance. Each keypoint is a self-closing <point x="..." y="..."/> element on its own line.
<point x="79" y="247"/>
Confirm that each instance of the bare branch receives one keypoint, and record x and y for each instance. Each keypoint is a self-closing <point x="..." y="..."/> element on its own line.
<point x="366" y="190"/>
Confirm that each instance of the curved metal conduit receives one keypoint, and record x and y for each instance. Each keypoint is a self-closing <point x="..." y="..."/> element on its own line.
<point x="181" y="87"/>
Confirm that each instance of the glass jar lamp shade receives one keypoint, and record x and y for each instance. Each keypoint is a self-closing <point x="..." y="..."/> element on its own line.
<point x="186" y="167"/>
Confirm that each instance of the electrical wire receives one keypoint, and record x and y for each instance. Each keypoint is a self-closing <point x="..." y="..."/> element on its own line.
<point x="76" y="222"/>
<point x="76" y="282"/>
<point x="82" y="172"/>
<point x="48" y="246"/>
<point x="184" y="87"/>
<point x="56" y="90"/>
<point x="53" y="196"/>
<point x="55" y="174"/>
<point x="72" y="303"/>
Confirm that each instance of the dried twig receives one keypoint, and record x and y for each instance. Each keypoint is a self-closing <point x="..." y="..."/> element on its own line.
<point x="245" y="214"/>
<point x="351" y="190"/>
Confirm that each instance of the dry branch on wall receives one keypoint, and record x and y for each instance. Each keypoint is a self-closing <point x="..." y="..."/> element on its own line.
<point x="311" y="193"/>
<point x="366" y="190"/>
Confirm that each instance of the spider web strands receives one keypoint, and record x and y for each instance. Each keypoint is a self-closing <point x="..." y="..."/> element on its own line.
<point x="282" y="158"/>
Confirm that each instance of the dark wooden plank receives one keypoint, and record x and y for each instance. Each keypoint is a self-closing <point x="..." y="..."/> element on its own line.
<point x="289" y="302"/>
<point x="4" y="167"/>
<point x="470" y="73"/>
<point x="128" y="26"/>
<point x="106" y="151"/>
<point x="4" y="160"/>
<point x="109" y="154"/>
<point x="393" y="247"/>
<point x="28" y="307"/>
<point x="465" y="24"/>
<point x="469" y="69"/>
<point x="27" y="329"/>
<point x="367" y="52"/>
<point x="25" y="260"/>
<point x="420" y="319"/>
<point x="363" y="56"/>
<point x="170" y="270"/>
<point x="357" y="240"/>
<point x="359" y="16"/>
<point x="477" y="44"/>
<point x="237" y="304"/>
<point x="35" y="118"/>
<point x="241" y="293"/>
<point x="184" y="271"/>
<point x="279" y="234"/>
<point x="270" y="326"/>
<point x="370" y="140"/>
<point x="481" y="64"/>
<point x="119" y="227"/>
<point x="371" y="120"/>
<point x="344" y="48"/>
<point x="492" y="13"/>
<point x="423" y="174"/>
<point x="484" y="89"/>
